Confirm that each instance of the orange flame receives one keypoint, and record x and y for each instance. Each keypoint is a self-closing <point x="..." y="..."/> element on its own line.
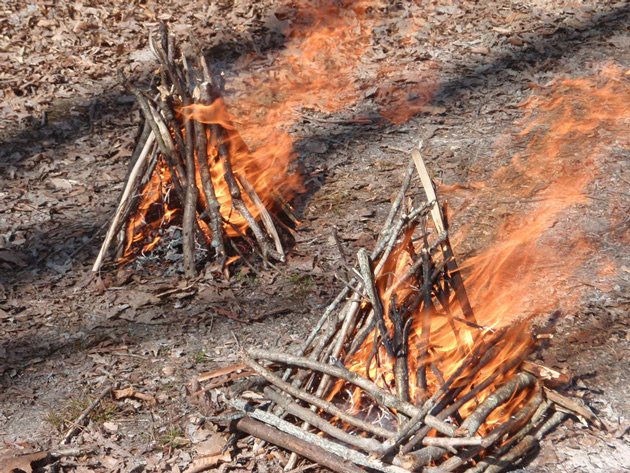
<point x="266" y="169"/>
<point x="318" y="68"/>
<point x="540" y="253"/>
<point x="539" y="260"/>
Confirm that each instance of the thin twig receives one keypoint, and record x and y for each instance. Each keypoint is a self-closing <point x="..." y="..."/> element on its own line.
<point x="77" y="423"/>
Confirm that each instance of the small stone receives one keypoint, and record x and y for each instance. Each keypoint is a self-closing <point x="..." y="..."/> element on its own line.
<point x="110" y="426"/>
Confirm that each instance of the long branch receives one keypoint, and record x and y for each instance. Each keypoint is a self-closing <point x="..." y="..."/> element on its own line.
<point x="332" y="447"/>
<point x="328" y="407"/>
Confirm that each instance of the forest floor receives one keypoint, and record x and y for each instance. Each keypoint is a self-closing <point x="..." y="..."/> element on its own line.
<point x="466" y="77"/>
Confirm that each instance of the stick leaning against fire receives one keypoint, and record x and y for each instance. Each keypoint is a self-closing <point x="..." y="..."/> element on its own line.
<point x="398" y="375"/>
<point x="184" y="163"/>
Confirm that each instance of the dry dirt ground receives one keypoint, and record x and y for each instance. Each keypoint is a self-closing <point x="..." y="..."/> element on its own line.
<point x="454" y="73"/>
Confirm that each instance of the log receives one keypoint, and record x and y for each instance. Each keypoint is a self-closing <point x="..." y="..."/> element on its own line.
<point x="301" y="447"/>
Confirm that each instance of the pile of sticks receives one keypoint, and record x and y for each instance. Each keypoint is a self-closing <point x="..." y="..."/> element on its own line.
<point x="319" y="403"/>
<point x="187" y="148"/>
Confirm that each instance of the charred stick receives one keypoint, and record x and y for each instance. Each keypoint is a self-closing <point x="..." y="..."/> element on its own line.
<point x="190" y="204"/>
<point x="264" y="213"/>
<point x="457" y="282"/>
<point x="175" y="159"/>
<point x="412" y="271"/>
<point x="373" y="354"/>
<point x="541" y="410"/>
<point x="436" y="213"/>
<point x="437" y="373"/>
<point x="329" y="446"/>
<point x="477" y="360"/>
<point x="375" y="299"/>
<point x="164" y="52"/>
<point x="443" y="297"/>
<point x="515" y="445"/>
<point x="328" y="407"/>
<point x="239" y="205"/>
<point x="494" y="464"/>
<point x="363" y="333"/>
<point x="366" y="444"/>
<point x="450" y="410"/>
<point x="418" y="418"/>
<point x="401" y="336"/>
<point x="416" y="460"/>
<point x="423" y="354"/>
<point x="518" y="419"/>
<point x="303" y="448"/>
<point x="384" y="238"/>
<point x="381" y="396"/>
<point x="213" y="205"/>
<point x="160" y="130"/>
<point x="500" y="396"/>
<point x="175" y="162"/>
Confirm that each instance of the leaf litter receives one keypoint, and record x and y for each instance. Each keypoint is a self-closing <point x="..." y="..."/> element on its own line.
<point x="67" y="132"/>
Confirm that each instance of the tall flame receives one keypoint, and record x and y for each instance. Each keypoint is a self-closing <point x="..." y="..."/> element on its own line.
<point x="319" y="68"/>
<point x="540" y="253"/>
<point x="549" y="246"/>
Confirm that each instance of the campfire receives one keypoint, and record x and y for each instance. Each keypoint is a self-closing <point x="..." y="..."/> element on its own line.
<point x="191" y="169"/>
<point x="398" y="374"/>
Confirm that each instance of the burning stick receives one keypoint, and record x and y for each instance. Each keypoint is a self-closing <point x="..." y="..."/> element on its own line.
<point x="199" y="156"/>
<point x="397" y="374"/>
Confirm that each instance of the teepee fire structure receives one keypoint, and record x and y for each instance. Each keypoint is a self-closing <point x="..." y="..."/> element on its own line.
<point x="399" y="375"/>
<point x="191" y="168"/>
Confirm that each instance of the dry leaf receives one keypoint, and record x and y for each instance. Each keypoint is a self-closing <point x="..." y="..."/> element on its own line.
<point x="480" y="50"/>
<point x="60" y="183"/>
<point x="111" y="426"/>
<point x="12" y="257"/>
<point x="123" y="393"/>
<point x="130" y="392"/>
<point x="204" y="463"/>
<point x="433" y="109"/>
<point x="137" y="299"/>
<point x="211" y="446"/>
<point x="16" y="461"/>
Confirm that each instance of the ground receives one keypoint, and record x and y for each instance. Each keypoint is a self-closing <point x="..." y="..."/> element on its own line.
<point x="457" y="75"/>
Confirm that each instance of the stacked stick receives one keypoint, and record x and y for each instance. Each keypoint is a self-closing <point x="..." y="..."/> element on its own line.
<point x="189" y="148"/>
<point x="311" y="398"/>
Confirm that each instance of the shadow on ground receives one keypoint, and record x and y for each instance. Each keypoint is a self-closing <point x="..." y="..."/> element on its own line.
<point x="561" y="44"/>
